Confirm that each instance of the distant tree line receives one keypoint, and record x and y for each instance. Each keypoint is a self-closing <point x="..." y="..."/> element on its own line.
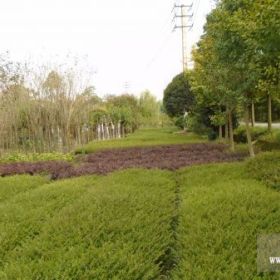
<point x="55" y="109"/>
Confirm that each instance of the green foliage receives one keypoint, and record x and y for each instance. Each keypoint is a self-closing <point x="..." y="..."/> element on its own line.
<point x="237" y="58"/>
<point x="196" y="124"/>
<point x="266" y="168"/>
<point x="150" y="108"/>
<point x="269" y="141"/>
<point x="178" y="97"/>
<point x="222" y="212"/>
<point x="142" y="138"/>
<point x="86" y="228"/>
<point x="191" y="224"/>
<point x="31" y="157"/>
<point x="13" y="186"/>
<point x="256" y="133"/>
<point x="125" y="108"/>
<point x="181" y="122"/>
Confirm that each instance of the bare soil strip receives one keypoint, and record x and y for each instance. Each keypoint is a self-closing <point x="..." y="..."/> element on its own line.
<point x="162" y="157"/>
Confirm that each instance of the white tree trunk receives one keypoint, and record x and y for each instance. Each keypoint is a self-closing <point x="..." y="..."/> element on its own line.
<point x="98" y="132"/>
<point x="102" y="132"/>
<point x="113" y="130"/>
<point x="119" y="130"/>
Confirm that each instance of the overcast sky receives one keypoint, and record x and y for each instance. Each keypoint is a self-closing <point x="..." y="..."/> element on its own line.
<point x="122" y="41"/>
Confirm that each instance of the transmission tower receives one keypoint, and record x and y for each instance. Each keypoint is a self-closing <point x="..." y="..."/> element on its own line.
<point x="126" y="87"/>
<point x="184" y="13"/>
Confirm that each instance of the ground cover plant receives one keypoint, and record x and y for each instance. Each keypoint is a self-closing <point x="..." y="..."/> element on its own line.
<point x="222" y="211"/>
<point x="143" y="137"/>
<point x="34" y="157"/>
<point x="113" y="227"/>
<point x="11" y="186"/>
<point x="196" y="223"/>
<point x="169" y="157"/>
<point x="266" y="168"/>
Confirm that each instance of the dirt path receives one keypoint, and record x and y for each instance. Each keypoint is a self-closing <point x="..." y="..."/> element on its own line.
<point x="163" y="157"/>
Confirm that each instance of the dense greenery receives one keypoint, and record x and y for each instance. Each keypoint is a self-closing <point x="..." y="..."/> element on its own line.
<point x="197" y="223"/>
<point x="266" y="168"/>
<point x="200" y="222"/>
<point x="86" y="228"/>
<point x="178" y="97"/>
<point x="222" y="211"/>
<point x="237" y="64"/>
<point x="240" y="135"/>
<point x="143" y="137"/>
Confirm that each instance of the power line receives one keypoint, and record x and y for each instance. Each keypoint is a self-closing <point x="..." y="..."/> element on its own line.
<point x="164" y="42"/>
<point x="196" y="12"/>
<point x="160" y="49"/>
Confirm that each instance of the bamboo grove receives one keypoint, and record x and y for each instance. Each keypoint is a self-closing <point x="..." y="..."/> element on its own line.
<point x="55" y="110"/>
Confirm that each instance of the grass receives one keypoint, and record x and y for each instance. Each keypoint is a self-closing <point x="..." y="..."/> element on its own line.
<point x="143" y="138"/>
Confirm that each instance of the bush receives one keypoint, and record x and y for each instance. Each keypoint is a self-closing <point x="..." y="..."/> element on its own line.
<point x="241" y="137"/>
<point x="195" y="125"/>
<point x="266" y="168"/>
<point x="33" y="157"/>
<point x="180" y="122"/>
<point x="269" y="141"/>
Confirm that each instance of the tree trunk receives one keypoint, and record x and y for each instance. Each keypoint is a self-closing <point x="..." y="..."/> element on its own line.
<point x="253" y="119"/>
<point x="230" y="124"/>
<point x="269" y="127"/>
<point x="220" y="132"/>
<point x="226" y="130"/>
<point x="248" y="133"/>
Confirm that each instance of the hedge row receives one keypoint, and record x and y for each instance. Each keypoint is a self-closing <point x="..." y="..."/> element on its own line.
<point x="113" y="227"/>
<point x="221" y="215"/>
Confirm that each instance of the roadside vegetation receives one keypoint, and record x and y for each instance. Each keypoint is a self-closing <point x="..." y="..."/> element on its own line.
<point x="144" y="138"/>
<point x="125" y="187"/>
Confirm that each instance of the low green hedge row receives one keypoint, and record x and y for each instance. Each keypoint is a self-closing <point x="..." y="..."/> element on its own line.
<point x="27" y="157"/>
<point x="113" y="227"/>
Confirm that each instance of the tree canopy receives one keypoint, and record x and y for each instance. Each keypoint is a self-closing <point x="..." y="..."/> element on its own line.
<point x="178" y="97"/>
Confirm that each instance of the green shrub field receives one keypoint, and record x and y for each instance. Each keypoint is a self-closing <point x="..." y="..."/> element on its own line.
<point x="221" y="214"/>
<point x="113" y="227"/>
<point x="197" y="223"/>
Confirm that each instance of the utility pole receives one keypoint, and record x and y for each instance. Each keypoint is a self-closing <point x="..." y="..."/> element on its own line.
<point x="185" y="14"/>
